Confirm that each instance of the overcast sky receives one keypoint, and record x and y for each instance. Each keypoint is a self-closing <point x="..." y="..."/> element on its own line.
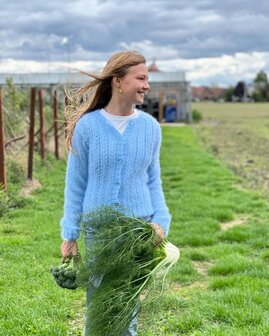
<point x="214" y="42"/>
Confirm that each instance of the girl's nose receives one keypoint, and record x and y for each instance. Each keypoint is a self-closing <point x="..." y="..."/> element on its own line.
<point x="146" y="86"/>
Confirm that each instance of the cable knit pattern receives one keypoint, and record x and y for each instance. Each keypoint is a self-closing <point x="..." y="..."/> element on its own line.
<point x="109" y="168"/>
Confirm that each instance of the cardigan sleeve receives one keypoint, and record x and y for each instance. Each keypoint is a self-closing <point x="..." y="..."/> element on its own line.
<point x="75" y="183"/>
<point x="161" y="214"/>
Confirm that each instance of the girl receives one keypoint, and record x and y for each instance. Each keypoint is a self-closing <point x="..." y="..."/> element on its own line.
<point x="113" y="152"/>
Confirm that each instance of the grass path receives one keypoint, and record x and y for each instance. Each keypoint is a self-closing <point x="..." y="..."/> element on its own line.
<point x="219" y="287"/>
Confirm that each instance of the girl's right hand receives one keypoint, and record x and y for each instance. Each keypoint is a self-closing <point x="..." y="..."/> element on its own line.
<point x="69" y="249"/>
<point x="159" y="232"/>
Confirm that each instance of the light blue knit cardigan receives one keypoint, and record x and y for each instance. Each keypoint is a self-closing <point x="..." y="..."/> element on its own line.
<point x="109" y="168"/>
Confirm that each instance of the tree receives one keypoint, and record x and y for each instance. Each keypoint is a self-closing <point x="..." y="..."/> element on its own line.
<point x="239" y="92"/>
<point x="228" y="94"/>
<point x="261" y="85"/>
<point x="15" y="109"/>
<point x="261" y="77"/>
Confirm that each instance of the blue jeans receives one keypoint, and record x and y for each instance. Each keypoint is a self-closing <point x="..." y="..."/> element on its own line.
<point x="132" y="329"/>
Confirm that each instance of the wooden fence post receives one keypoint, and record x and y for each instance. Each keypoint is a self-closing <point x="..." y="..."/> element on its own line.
<point x="55" y="115"/>
<point x="161" y="96"/>
<point x="2" y="146"/>
<point x="42" y="126"/>
<point x="31" y="134"/>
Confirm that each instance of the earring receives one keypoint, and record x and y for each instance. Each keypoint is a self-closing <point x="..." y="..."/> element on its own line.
<point x="120" y="90"/>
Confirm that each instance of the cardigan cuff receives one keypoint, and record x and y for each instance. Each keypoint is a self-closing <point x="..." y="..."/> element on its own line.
<point x="164" y="222"/>
<point x="70" y="233"/>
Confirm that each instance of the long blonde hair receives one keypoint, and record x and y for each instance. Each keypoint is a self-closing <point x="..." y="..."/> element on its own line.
<point x="97" y="93"/>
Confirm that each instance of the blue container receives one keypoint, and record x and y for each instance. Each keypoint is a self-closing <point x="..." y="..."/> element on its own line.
<point x="170" y="113"/>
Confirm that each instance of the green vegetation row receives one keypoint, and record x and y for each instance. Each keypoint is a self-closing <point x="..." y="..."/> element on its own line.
<point x="16" y="106"/>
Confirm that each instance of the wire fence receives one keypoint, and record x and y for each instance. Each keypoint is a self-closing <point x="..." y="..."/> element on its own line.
<point x="36" y="137"/>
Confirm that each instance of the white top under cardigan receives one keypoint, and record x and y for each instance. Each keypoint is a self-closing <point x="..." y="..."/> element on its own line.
<point x="119" y="122"/>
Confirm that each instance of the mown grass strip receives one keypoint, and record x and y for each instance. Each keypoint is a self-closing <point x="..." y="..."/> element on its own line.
<point x="219" y="286"/>
<point x="31" y="303"/>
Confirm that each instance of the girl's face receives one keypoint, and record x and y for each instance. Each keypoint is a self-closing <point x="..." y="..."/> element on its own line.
<point x="134" y="85"/>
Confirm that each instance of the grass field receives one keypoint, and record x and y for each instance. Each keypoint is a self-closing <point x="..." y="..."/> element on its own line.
<point x="220" y="286"/>
<point x="239" y="135"/>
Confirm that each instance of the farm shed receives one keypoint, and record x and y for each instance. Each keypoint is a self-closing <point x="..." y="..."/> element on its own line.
<point x="166" y="89"/>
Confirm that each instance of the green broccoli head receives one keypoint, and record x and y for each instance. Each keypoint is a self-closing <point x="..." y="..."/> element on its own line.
<point x="65" y="275"/>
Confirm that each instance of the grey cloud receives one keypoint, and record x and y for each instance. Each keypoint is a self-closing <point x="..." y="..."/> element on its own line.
<point x="204" y="28"/>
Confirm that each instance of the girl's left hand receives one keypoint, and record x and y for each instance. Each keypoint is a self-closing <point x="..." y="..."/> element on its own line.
<point x="69" y="249"/>
<point x="159" y="232"/>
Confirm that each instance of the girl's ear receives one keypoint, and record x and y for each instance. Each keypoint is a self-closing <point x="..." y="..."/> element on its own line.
<point x="116" y="81"/>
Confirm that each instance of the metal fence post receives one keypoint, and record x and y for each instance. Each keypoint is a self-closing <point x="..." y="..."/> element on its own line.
<point x="2" y="146"/>
<point x="42" y="126"/>
<point x="31" y="134"/>
<point x="66" y="103"/>
<point x="55" y="115"/>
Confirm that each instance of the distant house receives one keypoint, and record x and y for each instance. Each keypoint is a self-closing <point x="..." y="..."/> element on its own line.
<point x="153" y="67"/>
<point x="200" y="93"/>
